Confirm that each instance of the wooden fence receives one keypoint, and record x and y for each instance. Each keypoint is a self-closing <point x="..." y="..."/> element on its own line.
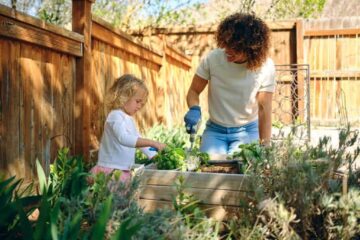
<point x="53" y="83"/>
<point x="37" y="77"/>
<point x="332" y="48"/>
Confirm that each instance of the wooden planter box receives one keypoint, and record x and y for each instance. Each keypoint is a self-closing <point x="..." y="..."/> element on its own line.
<point x="219" y="193"/>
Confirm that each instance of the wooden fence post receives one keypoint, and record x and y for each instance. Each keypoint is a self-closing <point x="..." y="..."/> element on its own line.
<point x="81" y="23"/>
<point x="300" y="113"/>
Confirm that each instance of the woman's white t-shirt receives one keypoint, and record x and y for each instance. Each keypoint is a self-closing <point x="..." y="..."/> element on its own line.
<point x="117" y="147"/>
<point x="233" y="88"/>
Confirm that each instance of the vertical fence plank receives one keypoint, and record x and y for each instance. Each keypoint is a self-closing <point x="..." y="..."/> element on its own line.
<point x="4" y="103"/>
<point x="97" y="93"/>
<point x="15" y="159"/>
<point x="31" y="89"/>
<point x="57" y="133"/>
<point x="47" y="110"/>
<point x="67" y="74"/>
<point x="81" y="23"/>
<point x="3" y="86"/>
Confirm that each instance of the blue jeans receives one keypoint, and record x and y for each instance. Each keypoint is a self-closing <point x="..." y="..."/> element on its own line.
<point x="225" y="140"/>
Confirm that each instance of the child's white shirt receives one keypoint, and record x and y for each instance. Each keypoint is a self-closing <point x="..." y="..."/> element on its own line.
<point x="117" y="147"/>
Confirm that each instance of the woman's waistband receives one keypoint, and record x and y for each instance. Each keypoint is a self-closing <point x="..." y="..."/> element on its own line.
<point x="220" y="128"/>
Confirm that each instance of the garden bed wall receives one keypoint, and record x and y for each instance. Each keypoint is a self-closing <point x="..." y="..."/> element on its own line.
<point x="220" y="194"/>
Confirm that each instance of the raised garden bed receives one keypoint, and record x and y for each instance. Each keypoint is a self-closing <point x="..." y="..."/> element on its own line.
<point x="219" y="186"/>
<point x="219" y="193"/>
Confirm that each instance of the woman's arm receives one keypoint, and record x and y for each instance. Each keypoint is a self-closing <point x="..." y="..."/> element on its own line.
<point x="198" y="84"/>
<point x="265" y="108"/>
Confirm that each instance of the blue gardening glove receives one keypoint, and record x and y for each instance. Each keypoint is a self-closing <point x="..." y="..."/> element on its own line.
<point x="192" y="117"/>
<point x="153" y="149"/>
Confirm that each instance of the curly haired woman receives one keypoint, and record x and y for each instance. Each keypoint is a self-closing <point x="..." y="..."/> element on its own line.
<point x="241" y="81"/>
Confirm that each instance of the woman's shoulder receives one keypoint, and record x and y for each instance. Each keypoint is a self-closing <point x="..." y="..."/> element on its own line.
<point x="269" y="62"/>
<point x="216" y="57"/>
<point x="216" y="53"/>
<point x="268" y="65"/>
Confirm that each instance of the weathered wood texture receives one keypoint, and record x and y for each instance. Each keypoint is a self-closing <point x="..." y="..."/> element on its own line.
<point x="37" y="76"/>
<point x="81" y="23"/>
<point x="36" y="114"/>
<point x="31" y="30"/>
<point x="220" y="194"/>
<point x="166" y="71"/>
<point x="332" y="48"/>
<point x="40" y="92"/>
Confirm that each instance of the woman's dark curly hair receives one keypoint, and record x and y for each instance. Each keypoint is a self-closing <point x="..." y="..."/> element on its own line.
<point x="247" y="34"/>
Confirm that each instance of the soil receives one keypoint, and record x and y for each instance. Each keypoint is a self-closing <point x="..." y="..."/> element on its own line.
<point x="221" y="168"/>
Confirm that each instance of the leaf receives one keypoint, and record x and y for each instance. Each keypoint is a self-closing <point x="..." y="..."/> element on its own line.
<point x="72" y="226"/>
<point x="42" y="177"/>
<point x="29" y="201"/>
<point x="6" y="182"/>
<point x="25" y="225"/>
<point x="127" y="230"/>
<point x="98" y="230"/>
<point x="42" y="227"/>
<point x="53" y="220"/>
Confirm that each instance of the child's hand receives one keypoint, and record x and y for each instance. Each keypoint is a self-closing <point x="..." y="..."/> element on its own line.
<point x="159" y="146"/>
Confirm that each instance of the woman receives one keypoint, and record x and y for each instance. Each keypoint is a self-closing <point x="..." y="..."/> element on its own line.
<point x="241" y="82"/>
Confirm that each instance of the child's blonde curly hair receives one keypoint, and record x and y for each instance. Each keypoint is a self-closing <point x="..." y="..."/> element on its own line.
<point x="123" y="89"/>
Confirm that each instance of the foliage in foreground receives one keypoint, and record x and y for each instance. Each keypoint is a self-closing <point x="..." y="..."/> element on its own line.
<point x="295" y="197"/>
<point x="297" y="189"/>
<point x="70" y="208"/>
<point x="296" y="193"/>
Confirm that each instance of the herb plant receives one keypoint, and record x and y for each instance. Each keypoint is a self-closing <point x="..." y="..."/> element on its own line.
<point x="170" y="158"/>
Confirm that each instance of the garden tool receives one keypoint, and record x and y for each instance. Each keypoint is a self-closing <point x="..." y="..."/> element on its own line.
<point x="192" y="130"/>
<point x="192" y="162"/>
<point x="192" y="123"/>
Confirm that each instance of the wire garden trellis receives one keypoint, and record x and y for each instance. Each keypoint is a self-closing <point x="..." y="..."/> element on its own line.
<point x="291" y="102"/>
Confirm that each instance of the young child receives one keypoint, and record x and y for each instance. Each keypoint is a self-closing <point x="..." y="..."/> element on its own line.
<point x="120" y="139"/>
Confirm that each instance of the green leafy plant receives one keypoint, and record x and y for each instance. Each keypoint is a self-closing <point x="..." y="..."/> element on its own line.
<point x="203" y="156"/>
<point x="68" y="174"/>
<point x="170" y="158"/>
<point x="198" y="226"/>
<point x="251" y="155"/>
<point x="175" y="137"/>
<point x="185" y="203"/>
<point x="13" y="202"/>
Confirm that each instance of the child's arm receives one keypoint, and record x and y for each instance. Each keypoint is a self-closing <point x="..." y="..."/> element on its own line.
<point x="144" y="142"/>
